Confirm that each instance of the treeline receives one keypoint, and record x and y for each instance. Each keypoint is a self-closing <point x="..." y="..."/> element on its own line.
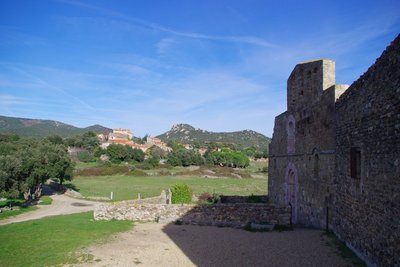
<point x="224" y="157"/>
<point x="216" y="154"/>
<point x="251" y="152"/>
<point x="25" y="164"/>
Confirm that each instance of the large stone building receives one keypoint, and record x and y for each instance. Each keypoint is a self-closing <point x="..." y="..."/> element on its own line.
<point x="335" y="155"/>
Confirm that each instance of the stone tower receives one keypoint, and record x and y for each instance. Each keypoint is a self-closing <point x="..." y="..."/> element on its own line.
<point x="302" y="149"/>
<point x="336" y="161"/>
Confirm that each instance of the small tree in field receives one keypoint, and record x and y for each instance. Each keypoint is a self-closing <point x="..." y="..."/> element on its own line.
<point x="181" y="193"/>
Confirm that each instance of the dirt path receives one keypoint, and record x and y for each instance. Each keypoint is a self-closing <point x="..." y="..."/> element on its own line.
<point x="154" y="244"/>
<point x="61" y="205"/>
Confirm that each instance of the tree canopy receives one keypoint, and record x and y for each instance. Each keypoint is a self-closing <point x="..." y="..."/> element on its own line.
<point x="119" y="153"/>
<point x="27" y="163"/>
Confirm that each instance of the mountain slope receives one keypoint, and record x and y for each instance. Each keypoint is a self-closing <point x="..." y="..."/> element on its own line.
<point x="186" y="134"/>
<point x="43" y="128"/>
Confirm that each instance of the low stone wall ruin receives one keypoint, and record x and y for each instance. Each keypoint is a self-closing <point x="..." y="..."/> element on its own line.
<point x="233" y="215"/>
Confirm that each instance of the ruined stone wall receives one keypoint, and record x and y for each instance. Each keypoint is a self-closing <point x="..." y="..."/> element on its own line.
<point x="367" y="118"/>
<point x="301" y="162"/>
<point x="232" y="215"/>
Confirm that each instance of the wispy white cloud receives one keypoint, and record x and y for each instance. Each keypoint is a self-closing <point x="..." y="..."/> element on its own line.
<point x="164" y="44"/>
<point x="131" y="69"/>
<point x="251" y="40"/>
<point x="13" y="100"/>
<point x="34" y="75"/>
<point x="236" y="39"/>
<point x="201" y="90"/>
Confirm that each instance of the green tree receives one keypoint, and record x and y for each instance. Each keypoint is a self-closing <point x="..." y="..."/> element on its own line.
<point x="98" y="151"/>
<point x="55" y="139"/>
<point x="181" y="193"/>
<point x="184" y="157"/>
<point x="228" y="157"/>
<point x="24" y="169"/>
<point x="117" y="153"/>
<point x="85" y="156"/>
<point x="134" y="154"/>
<point x="90" y="141"/>
<point x="175" y="145"/>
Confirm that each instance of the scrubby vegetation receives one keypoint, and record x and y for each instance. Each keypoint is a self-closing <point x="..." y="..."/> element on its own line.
<point x="119" y="153"/>
<point x="186" y="134"/>
<point x="112" y="169"/>
<point x="184" y="157"/>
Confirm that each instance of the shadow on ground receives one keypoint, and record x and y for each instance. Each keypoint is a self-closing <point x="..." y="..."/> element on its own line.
<point x="227" y="246"/>
<point x="214" y="246"/>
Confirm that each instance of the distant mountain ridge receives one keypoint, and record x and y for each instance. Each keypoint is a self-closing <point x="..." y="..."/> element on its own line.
<point x="44" y="128"/>
<point x="187" y="134"/>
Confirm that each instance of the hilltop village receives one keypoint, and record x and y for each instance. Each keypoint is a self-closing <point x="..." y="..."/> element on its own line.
<point x="124" y="137"/>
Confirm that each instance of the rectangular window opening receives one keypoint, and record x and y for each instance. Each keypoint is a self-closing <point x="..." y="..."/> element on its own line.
<point x="355" y="162"/>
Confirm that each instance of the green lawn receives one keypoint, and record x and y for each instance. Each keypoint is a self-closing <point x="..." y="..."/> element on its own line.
<point x="11" y="213"/>
<point x="256" y="166"/>
<point x="128" y="187"/>
<point x="45" y="200"/>
<point x="53" y="240"/>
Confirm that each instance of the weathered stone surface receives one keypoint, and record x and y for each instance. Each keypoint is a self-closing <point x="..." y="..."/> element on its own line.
<point x="303" y="143"/>
<point x="367" y="208"/>
<point x="335" y="155"/>
<point x="232" y="215"/>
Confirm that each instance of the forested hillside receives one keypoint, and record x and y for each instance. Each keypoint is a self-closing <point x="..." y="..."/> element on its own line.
<point x="186" y="134"/>
<point x="44" y="128"/>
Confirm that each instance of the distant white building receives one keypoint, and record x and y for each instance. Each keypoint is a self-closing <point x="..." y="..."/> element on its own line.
<point x="118" y="134"/>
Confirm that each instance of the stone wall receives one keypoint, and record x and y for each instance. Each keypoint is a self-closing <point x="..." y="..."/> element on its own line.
<point x="340" y="149"/>
<point x="301" y="162"/>
<point x="232" y="215"/>
<point x="367" y="205"/>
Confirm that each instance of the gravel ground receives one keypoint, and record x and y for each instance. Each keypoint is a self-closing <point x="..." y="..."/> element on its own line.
<point x="154" y="244"/>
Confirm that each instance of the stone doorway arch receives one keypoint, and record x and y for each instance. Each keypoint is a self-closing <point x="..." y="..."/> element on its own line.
<point x="291" y="189"/>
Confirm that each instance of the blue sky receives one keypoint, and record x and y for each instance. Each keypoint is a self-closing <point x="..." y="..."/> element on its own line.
<point x="146" y="65"/>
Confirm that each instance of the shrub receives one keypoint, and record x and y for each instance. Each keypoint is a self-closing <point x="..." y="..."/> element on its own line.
<point x="85" y="156"/>
<point x="164" y="173"/>
<point x="181" y="194"/>
<point x="144" y="166"/>
<point x="137" y="172"/>
<point x="104" y="170"/>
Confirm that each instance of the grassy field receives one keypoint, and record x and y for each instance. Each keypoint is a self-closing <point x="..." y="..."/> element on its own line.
<point x="52" y="241"/>
<point x="11" y="213"/>
<point x="128" y="187"/>
<point x="45" y="200"/>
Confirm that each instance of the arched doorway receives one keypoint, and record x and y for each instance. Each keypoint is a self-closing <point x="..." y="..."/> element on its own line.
<point x="291" y="189"/>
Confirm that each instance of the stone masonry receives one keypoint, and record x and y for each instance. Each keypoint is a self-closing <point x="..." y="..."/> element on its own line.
<point x="232" y="215"/>
<point x="301" y="168"/>
<point x="367" y="126"/>
<point x="335" y="155"/>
